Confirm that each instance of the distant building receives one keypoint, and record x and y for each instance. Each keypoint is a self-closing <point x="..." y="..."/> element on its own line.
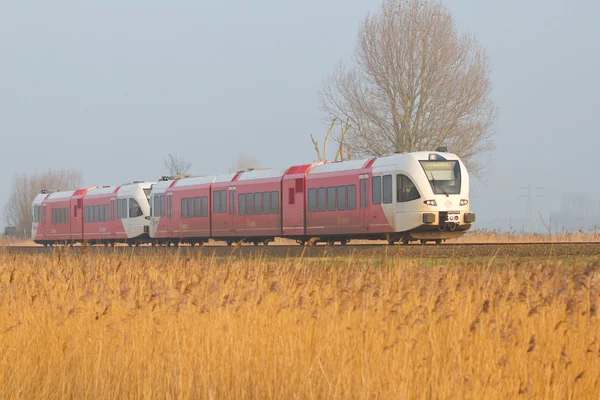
<point x="10" y="231"/>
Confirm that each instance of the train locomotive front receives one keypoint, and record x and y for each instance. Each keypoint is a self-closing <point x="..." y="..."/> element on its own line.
<point x="432" y="196"/>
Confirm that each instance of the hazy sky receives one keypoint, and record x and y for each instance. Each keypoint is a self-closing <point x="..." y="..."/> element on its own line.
<point x="110" y="87"/>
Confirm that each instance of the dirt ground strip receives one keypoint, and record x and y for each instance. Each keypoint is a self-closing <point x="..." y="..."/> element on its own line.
<point x="411" y="251"/>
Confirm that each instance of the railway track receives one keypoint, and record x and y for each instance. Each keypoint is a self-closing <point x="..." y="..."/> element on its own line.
<point x="449" y="250"/>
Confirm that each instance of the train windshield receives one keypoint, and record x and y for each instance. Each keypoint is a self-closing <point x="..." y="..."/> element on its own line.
<point x="443" y="176"/>
<point x="147" y="193"/>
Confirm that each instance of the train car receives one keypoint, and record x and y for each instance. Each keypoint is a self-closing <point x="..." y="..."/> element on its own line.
<point x="97" y="215"/>
<point x="52" y="221"/>
<point x="403" y="197"/>
<point x="252" y="212"/>
<point x="181" y="210"/>
<point x="243" y="206"/>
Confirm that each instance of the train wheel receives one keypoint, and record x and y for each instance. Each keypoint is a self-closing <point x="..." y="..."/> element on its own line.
<point x="405" y="241"/>
<point x="392" y="241"/>
<point x="344" y="242"/>
<point x="106" y="243"/>
<point x="229" y="242"/>
<point x="266" y="242"/>
<point x="438" y="241"/>
<point x="301" y="242"/>
<point x="423" y="241"/>
<point x="255" y="243"/>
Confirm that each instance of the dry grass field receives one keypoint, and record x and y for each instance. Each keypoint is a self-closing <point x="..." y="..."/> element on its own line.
<point x="117" y="326"/>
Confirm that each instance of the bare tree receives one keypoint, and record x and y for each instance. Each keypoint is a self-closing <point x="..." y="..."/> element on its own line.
<point x="18" y="212"/>
<point x="416" y="84"/>
<point x="176" y="165"/>
<point x="243" y="162"/>
<point x="343" y="151"/>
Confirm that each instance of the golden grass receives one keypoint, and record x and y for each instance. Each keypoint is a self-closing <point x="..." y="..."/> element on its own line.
<point x="169" y="326"/>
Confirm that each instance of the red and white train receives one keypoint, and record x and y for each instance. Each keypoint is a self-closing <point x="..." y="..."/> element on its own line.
<point x="400" y="198"/>
<point x="105" y="214"/>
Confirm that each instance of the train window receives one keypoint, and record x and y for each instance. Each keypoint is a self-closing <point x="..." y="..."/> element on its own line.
<point x="106" y="212"/>
<point x="376" y="190"/>
<point x="134" y="209"/>
<point x="388" y="198"/>
<point x="183" y="208"/>
<point x="53" y="218"/>
<point x="321" y="199"/>
<point x="96" y="214"/>
<point x="44" y="214"/>
<point x="341" y="198"/>
<point x="119" y="216"/>
<point x="75" y="211"/>
<point x="67" y="215"/>
<point x="405" y="189"/>
<point x="101" y="219"/>
<point x="197" y="207"/>
<point x="299" y="185"/>
<point x="266" y="202"/>
<point x="232" y="202"/>
<point x="223" y="201"/>
<point x="331" y="198"/>
<point x="85" y="214"/>
<point x="169" y="207"/>
<point x="216" y="202"/>
<point x="250" y="204"/>
<point x="352" y="197"/>
<point x="111" y="211"/>
<point x="124" y="208"/>
<point x="204" y="206"/>
<point x="156" y="206"/>
<point x="362" y="193"/>
<point x="190" y="207"/>
<point x="275" y="202"/>
<point x="241" y="204"/>
<point x="162" y="205"/>
<point x="291" y="196"/>
<point x="312" y="200"/>
<point x="257" y="203"/>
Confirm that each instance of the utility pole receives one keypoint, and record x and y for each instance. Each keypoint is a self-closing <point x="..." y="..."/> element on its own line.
<point x="529" y="195"/>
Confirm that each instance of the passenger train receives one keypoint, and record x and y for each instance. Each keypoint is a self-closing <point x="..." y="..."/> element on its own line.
<point x="399" y="198"/>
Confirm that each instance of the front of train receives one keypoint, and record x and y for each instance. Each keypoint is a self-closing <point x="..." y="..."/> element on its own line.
<point x="442" y="211"/>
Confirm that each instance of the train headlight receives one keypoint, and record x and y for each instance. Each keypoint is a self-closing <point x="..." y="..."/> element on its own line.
<point x="430" y="202"/>
<point x="464" y="202"/>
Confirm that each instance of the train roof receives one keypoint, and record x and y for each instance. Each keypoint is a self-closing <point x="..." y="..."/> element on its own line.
<point x="101" y="190"/>
<point x="261" y="174"/>
<point x="393" y="159"/>
<point x="199" y="180"/>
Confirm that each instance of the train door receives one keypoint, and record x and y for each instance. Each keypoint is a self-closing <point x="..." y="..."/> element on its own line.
<point x="112" y="216"/>
<point x="170" y="223"/>
<point x="293" y="206"/>
<point x="232" y="209"/>
<point x="76" y="220"/>
<point x="364" y="202"/>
